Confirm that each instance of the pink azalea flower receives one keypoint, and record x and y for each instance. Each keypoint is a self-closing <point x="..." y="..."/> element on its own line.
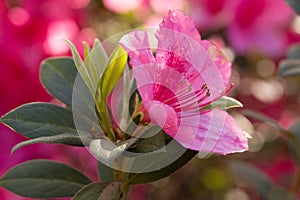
<point x="260" y="26"/>
<point x="186" y="75"/>
<point x="211" y="14"/>
<point x="119" y="7"/>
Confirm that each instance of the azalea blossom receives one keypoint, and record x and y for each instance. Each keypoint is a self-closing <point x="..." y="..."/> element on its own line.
<point x="211" y="14"/>
<point x="177" y="84"/>
<point x="255" y="27"/>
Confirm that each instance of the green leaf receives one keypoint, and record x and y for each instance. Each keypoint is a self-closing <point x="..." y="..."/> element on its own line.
<point x="93" y="65"/>
<point x="278" y="193"/>
<point x="113" y="72"/>
<point x="294" y="142"/>
<point x="261" y="117"/>
<point x="157" y="159"/>
<point x="112" y="155"/>
<point x="295" y="4"/>
<point x="80" y="65"/>
<point x="295" y="129"/>
<point x="35" y="120"/>
<point x="82" y="68"/>
<point x="67" y="139"/>
<point x="294" y="52"/>
<point x="150" y="144"/>
<point x="43" y="179"/>
<point x="97" y="191"/>
<point x="140" y="178"/>
<point x="98" y="59"/>
<point x="289" y="67"/>
<point x="255" y="177"/>
<point x="264" y="118"/>
<point x="110" y="77"/>
<point x="224" y="103"/>
<point x="58" y="76"/>
<point x="105" y="173"/>
<point x="106" y="151"/>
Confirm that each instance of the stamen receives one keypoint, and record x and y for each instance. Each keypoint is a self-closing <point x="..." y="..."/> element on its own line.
<point x="219" y="96"/>
<point x="192" y="98"/>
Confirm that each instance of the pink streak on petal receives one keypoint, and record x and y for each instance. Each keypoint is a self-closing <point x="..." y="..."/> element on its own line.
<point x="179" y="47"/>
<point x="180" y="22"/>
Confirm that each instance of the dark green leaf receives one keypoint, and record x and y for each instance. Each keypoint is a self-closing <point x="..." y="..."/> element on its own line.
<point x="140" y="178"/>
<point x="58" y="76"/>
<point x="93" y="65"/>
<point x="294" y="52"/>
<point x="83" y="109"/>
<point x="99" y="191"/>
<point x="105" y="173"/>
<point x="98" y="58"/>
<point x="278" y="193"/>
<point x="67" y="139"/>
<point x="295" y="129"/>
<point x="261" y="117"/>
<point x="35" y="120"/>
<point x="153" y="165"/>
<point x="82" y="68"/>
<point x="253" y="176"/>
<point x="43" y="179"/>
<point x="294" y="142"/>
<point x="295" y="4"/>
<point x="149" y="144"/>
<point x="289" y="67"/>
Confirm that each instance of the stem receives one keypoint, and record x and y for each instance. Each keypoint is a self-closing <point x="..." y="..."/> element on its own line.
<point x="291" y="137"/>
<point x="106" y="123"/>
<point x="124" y="192"/>
<point x="296" y="184"/>
<point x="126" y="98"/>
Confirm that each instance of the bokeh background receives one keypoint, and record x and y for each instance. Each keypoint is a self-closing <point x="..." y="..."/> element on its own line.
<point x="254" y="34"/>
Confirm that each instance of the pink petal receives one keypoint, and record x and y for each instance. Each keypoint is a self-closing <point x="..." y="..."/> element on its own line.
<point x="179" y="48"/>
<point x="162" y="115"/>
<point x="159" y="84"/>
<point x="221" y="61"/>
<point x="215" y="131"/>
<point x="136" y="43"/>
<point x="180" y="22"/>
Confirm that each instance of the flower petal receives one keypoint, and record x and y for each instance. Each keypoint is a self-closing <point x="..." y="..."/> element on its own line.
<point x="180" y="22"/>
<point x="162" y="115"/>
<point x="215" y="132"/>
<point x="221" y="61"/>
<point x="180" y="48"/>
<point x="136" y="43"/>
